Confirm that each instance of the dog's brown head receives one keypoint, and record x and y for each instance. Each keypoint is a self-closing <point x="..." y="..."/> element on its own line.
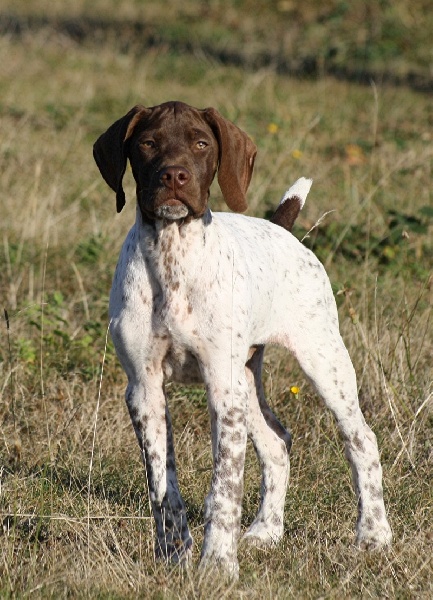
<point x="175" y="151"/>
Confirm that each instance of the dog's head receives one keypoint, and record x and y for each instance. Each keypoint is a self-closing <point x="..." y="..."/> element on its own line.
<point x="175" y="151"/>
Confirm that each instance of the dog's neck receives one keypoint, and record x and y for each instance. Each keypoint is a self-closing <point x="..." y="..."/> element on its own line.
<point x="174" y="249"/>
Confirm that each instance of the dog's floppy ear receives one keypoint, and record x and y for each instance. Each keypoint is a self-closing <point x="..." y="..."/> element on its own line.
<point x="236" y="159"/>
<point x="110" y="153"/>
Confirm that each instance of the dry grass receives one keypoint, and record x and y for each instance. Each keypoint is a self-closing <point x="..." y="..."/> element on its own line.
<point x="73" y="503"/>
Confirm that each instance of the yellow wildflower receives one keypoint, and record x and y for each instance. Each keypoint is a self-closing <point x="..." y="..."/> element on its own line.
<point x="273" y="128"/>
<point x="354" y="155"/>
<point x="297" y="154"/>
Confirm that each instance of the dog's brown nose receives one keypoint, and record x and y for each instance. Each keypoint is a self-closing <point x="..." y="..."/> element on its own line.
<point x="173" y="177"/>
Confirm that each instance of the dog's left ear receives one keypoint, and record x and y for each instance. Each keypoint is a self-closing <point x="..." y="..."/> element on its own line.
<point x="236" y="159"/>
<point x="110" y="154"/>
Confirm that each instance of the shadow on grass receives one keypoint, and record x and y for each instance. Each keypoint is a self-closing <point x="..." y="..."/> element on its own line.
<point x="137" y="36"/>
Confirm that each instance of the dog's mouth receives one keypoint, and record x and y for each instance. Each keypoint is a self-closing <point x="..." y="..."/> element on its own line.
<point x="172" y="209"/>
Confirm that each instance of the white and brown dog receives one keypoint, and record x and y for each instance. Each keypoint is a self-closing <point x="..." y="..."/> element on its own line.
<point x="196" y="296"/>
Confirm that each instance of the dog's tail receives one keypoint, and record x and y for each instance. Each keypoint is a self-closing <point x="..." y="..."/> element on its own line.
<point x="291" y="204"/>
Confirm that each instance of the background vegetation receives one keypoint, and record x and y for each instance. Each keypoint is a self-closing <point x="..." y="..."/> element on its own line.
<point x="334" y="90"/>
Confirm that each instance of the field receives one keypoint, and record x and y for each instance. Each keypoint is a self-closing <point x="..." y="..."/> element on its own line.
<point x="340" y="93"/>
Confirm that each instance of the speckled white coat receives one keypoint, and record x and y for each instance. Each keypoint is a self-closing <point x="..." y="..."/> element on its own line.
<point x="199" y="300"/>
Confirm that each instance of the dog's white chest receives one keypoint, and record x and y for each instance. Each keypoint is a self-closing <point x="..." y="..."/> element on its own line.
<point x="157" y="294"/>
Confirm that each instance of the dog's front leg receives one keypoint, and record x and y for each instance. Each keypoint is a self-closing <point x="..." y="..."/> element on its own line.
<point x="227" y="393"/>
<point x="151" y="420"/>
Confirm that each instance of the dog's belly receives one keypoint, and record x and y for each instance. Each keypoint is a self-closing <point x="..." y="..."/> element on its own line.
<point x="181" y="366"/>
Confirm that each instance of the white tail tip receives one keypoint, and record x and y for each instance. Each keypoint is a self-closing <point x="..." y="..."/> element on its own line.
<point x="300" y="189"/>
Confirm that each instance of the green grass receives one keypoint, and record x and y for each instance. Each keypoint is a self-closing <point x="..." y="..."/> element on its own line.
<point x="73" y="502"/>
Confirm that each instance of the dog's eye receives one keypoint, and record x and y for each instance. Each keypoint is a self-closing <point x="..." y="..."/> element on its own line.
<point x="148" y="144"/>
<point x="201" y="144"/>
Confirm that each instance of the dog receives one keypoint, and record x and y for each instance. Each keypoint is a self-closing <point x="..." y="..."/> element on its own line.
<point x="196" y="296"/>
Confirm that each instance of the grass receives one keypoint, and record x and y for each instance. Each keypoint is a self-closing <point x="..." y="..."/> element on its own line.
<point x="73" y="503"/>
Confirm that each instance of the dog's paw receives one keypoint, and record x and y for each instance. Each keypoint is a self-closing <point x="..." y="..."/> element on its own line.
<point x="220" y="566"/>
<point x="262" y="534"/>
<point x="369" y="538"/>
<point x="178" y="551"/>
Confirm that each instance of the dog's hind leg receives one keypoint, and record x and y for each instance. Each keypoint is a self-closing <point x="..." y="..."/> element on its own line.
<point x="272" y="443"/>
<point x="326" y="362"/>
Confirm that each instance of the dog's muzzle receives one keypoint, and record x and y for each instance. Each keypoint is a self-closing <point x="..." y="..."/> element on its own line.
<point x="171" y="210"/>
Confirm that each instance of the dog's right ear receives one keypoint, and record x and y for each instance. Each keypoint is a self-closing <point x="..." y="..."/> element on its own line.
<point x="110" y="153"/>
